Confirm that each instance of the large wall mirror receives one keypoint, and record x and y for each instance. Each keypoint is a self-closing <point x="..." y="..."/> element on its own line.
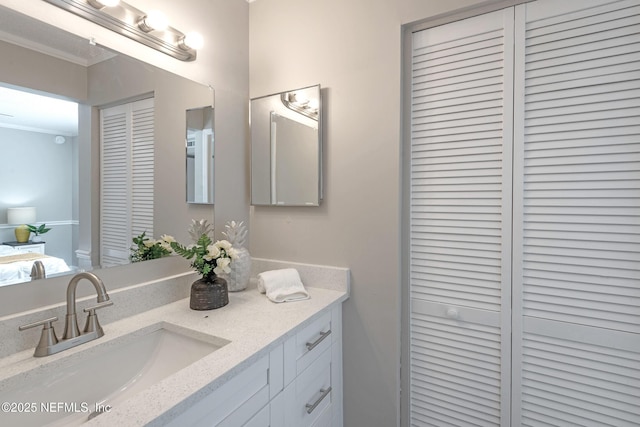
<point x="57" y="170"/>
<point x="286" y="148"/>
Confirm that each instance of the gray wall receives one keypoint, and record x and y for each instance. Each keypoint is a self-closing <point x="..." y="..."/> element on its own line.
<point x="35" y="171"/>
<point x="23" y="67"/>
<point x="353" y="49"/>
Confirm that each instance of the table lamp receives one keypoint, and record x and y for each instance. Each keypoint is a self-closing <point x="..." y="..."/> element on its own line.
<point x="21" y="216"/>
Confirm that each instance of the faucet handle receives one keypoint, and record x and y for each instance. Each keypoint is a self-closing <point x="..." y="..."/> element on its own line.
<point x="48" y="336"/>
<point x="92" y="310"/>
<point x="48" y="323"/>
<point x="92" y="324"/>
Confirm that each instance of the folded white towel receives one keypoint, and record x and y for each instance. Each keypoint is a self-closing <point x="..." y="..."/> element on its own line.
<point x="282" y="285"/>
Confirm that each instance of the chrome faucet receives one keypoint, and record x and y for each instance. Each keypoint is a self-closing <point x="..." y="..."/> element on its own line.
<point x="37" y="271"/>
<point x="71" y="320"/>
<point x="49" y="343"/>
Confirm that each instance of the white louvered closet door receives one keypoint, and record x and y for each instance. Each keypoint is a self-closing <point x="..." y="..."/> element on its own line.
<point x="460" y="222"/>
<point x="577" y="214"/>
<point x="127" y="167"/>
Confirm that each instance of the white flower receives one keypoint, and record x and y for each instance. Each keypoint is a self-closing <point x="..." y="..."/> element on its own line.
<point x="222" y="266"/>
<point x="149" y="243"/>
<point x="223" y="244"/>
<point x="233" y="253"/>
<point x="168" y="239"/>
<point x="212" y="253"/>
<point x="165" y="245"/>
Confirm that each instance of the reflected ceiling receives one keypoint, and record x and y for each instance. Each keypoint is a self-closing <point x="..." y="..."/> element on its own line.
<point x="28" y="111"/>
<point x="36" y="113"/>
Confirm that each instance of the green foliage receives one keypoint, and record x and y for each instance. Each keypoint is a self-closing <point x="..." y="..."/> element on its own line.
<point x="146" y="249"/>
<point x="38" y="230"/>
<point x="205" y="255"/>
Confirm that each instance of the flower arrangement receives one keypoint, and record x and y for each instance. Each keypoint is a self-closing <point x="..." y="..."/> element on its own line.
<point x="208" y="258"/>
<point x="146" y="248"/>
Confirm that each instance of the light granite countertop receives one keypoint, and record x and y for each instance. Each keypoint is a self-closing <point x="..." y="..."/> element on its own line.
<point x="251" y="323"/>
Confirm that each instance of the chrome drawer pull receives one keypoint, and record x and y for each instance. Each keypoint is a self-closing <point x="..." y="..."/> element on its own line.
<point x="324" y="393"/>
<point x="323" y="335"/>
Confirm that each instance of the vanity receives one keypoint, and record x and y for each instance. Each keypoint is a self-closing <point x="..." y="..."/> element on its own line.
<point x="250" y="363"/>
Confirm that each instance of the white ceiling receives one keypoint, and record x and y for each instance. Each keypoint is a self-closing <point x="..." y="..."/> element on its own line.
<point x="36" y="112"/>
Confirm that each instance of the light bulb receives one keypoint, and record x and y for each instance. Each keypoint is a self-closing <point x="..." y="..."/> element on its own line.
<point x="155" y="20"/>
<point x="193" y="40"/>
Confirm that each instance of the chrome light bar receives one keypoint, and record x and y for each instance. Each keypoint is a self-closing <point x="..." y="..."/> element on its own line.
<point x="130" y="22"/>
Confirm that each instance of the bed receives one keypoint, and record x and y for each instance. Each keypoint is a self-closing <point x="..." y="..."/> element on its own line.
<point x="15" y="266"/>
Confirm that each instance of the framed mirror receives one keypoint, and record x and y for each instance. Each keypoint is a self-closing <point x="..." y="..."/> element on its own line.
<point x="48" y="61"/>
<point x="286" y="148"/>
<point x="200" y="155"/>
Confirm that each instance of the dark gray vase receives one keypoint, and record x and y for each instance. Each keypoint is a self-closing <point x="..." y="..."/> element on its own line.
<point x="209" y="295"/>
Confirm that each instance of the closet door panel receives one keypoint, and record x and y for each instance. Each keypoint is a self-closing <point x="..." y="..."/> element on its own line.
<point x="577" y="214"/>
<point x="127" y="175"/>
<point x="115" y="158"/>
<point x="460" y="221"/>
<point x="142" y="167"/>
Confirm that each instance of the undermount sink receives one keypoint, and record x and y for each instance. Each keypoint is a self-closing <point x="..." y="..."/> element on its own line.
<point x="76" y="388"/>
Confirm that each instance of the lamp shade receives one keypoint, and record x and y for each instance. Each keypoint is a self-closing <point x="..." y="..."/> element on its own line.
<point x="21" y="215"/>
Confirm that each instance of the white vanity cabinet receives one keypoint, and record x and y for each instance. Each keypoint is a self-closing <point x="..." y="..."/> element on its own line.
<point x="297" y="384"/>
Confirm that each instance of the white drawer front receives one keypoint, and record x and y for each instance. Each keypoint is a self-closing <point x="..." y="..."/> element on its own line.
<point x="35" y="249"/>
<point x="325" y="417"/>
<point x="309" y="396"/>
<point x="312" y="341"/>
<point x="243" y="414"/>
<point x="245" y="393"/>
<point x="261" y="419"/>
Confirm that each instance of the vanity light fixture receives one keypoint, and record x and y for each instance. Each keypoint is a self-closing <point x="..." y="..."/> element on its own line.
<point x="296" y="101"/>
<point x="99" y="4"/>
<point x="151" y="29"/>
<point x="191" y="40"/>
<point x="154" y="20"/>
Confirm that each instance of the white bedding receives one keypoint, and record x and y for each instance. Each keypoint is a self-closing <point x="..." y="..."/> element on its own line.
<point x="20" y="271"/>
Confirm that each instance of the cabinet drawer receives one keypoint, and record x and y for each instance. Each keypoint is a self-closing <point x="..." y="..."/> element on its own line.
<point x="261" y="419"/>
<point x="242" y="415"/>
<point x="234" y="403"/>
<point x="307" y="345"/>
<point x="37" y="248"/>
<point x="309" y="397"/>
<point x="324" y="418"/>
